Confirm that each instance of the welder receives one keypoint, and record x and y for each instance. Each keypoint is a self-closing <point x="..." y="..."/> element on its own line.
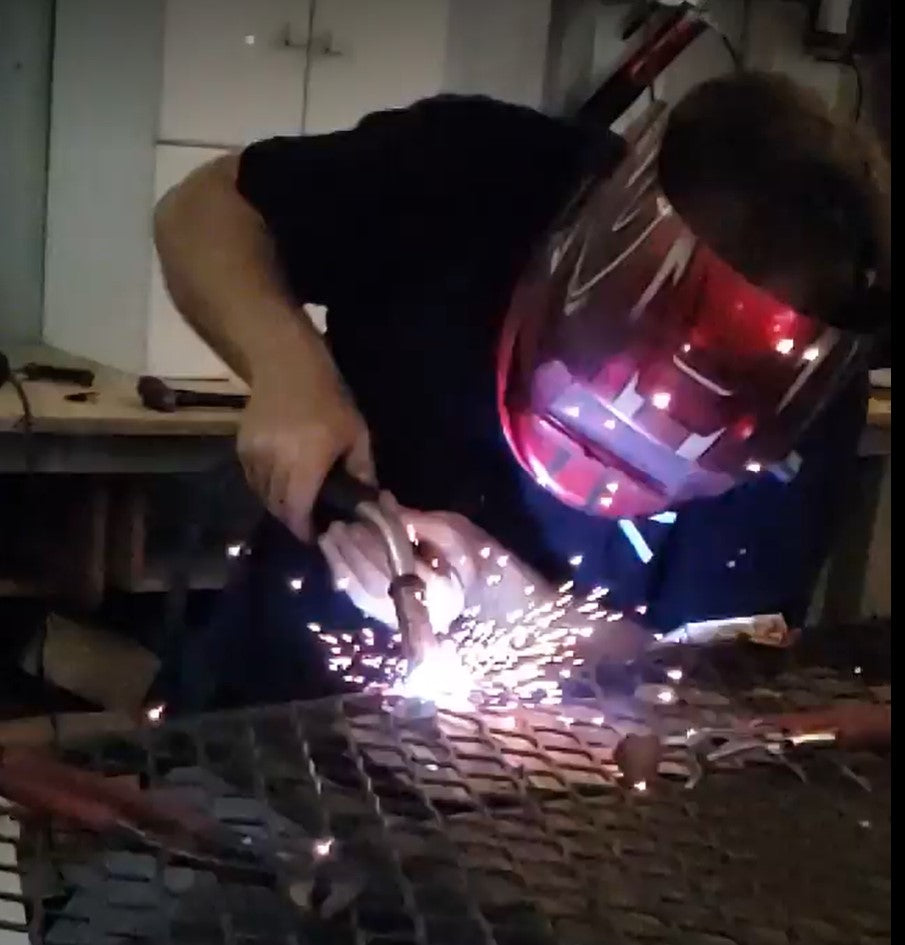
<point x="633" y="364"/>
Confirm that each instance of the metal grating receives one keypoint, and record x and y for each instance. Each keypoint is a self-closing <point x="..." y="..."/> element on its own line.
<point x="494" y="830"/>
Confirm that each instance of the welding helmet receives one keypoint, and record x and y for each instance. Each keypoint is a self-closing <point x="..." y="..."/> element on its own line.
<point x="638" y="370"/>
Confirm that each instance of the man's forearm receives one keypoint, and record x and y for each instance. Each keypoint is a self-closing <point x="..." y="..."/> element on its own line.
<point x="220" y="267"/>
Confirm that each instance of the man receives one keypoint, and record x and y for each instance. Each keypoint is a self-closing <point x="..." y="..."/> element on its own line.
<point x="413" y="229"/>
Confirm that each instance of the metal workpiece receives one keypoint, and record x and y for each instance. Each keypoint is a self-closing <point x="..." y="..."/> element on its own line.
<point x="507" y="827"/>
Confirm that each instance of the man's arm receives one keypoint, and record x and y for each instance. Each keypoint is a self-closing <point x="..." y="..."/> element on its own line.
<point x="220" y="266"/>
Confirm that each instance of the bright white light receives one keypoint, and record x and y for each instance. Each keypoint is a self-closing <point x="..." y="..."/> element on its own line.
<point x="606" y="501"/>
<point x="314" y="627"/>
<point x="155" y="713"/>
<point x="675" y="674"/>
<point x="641" y="609"/>
<point x="529" y="590"/>
<point x="811" y="354"/>
<point x="296" y="584"/>
<point x="753" y="466"/>
<point x="565" y="588"/>
<point x="858" y="670"/>
<point x="598" y="720"/>
<point x="341" y="585"/>
<point x="612" y="487"/>
<point x="410" y="531"/>
<point x="785" y="345"/>
<point x="493" y="579"/>
<point x="666" y="696"/>
<point x="661" y="399"/>
<point x="576" y="560"/>
<point x="249" y="39"/>
<point x="485" y="552"/>
<point x="502" y="561"/>
<point x="440" y="678"/>
<point x="323" y="847"/>
<point x="664" y="518"/>
<point x="640" y="786"/>
<point x="234" y="550"/>
<point x="686" y="348"/>
<point x="610" y="424"/>
<point x="571" y="411"/>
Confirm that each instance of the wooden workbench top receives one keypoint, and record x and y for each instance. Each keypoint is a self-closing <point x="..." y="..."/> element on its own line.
<point x="117" y="410"/>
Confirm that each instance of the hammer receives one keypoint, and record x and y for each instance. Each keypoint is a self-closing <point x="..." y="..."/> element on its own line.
<point x="158" y="395"/>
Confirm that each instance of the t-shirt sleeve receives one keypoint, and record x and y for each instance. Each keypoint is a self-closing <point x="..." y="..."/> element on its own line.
<point x="403" y="184"/>
<point x="760" y="547"/>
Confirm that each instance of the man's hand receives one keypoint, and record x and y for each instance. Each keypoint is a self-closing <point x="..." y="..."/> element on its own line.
<point x="299" y="421"/>
<point x="358" y="563"/>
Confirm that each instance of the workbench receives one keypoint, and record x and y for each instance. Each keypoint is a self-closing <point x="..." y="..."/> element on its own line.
<point x="97" y="459"/>
<point x="102" y="451"/>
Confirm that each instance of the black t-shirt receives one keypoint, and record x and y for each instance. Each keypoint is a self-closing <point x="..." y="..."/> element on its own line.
<point x="412" y="228"/>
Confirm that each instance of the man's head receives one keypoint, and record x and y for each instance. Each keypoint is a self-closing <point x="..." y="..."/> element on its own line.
<point x="790" y="195"/>
<point x="700" y="304"/>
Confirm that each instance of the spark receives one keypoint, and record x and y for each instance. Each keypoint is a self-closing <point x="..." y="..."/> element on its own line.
<point x="314" y="627"/>
<point x="661" y="399"/>
<point x="323" y="847"/>
<point x="753" y="466"/>
<point x="858" y="670"/>
<point x="296" y="584"/>
<point x="571" y="411"/>
<point x="342" y="584"/>
<point x="612" y="487"/>
<point x="410" y="531"/>
<point x="494" y="579"/>
<point x="666" y="696"/>
<point x="811" y="354"/>
<point x="598" y="592"/>
<point x="598" y="720"/>
<point x="610" y="424"/>
<point x="233" y="551"/>
<point x="156" y="713"/>
<point x="641" y="609"/>
<point x="606" y="501"/>
<point x="640" y="786"/>
<point x="529" y="590"/>
<point x="576" y="560"/>
<point x="485" y="552"/>
<point x="675" y="674"/>
<point x="566" y="587"/>
<point x="785" y="345"/>
<point x="502" y="561"/>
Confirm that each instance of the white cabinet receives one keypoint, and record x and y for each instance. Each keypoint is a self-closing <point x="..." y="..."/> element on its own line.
<point x="146" y="90"/>
<point x="233" y="70"/>
<point x="373" y="54"/>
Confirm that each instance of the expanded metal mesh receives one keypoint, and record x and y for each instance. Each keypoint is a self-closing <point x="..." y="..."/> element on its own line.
<point x="505" y="829"/>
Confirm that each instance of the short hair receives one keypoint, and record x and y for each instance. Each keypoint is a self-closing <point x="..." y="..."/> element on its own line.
<point x="779" y="187"/>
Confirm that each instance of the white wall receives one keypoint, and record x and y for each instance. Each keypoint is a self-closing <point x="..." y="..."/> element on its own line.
<point x="25" y="27"/>
<point x="101" y="177"/>
<point x="498" y="48"/>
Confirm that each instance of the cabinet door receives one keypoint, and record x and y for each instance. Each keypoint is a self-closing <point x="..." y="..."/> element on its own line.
<point x="173" y="349"/>
<point x="233" y="70"/>
<point x="372" y="54"/>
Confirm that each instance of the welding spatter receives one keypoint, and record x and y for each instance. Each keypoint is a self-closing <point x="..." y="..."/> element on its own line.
<point x="346" y="497"/>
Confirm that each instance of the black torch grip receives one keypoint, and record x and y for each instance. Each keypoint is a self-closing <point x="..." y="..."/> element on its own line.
<point x="340" y="496"/>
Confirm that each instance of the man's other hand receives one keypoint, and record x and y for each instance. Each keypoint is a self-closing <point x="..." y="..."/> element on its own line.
<point x="297" y="424"/>
<point x="358" y="563"/>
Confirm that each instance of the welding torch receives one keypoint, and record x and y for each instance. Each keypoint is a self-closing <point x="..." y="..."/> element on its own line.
<point x="344" y="497"/>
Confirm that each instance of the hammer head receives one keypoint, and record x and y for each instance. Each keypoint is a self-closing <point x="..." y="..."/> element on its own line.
<point x="156" y="394"/>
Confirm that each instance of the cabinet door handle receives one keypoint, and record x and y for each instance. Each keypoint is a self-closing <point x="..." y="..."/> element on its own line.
<point x="321" y="44"/>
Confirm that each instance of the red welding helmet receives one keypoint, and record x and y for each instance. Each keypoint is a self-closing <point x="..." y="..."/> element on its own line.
<point x="637" y="370"/>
